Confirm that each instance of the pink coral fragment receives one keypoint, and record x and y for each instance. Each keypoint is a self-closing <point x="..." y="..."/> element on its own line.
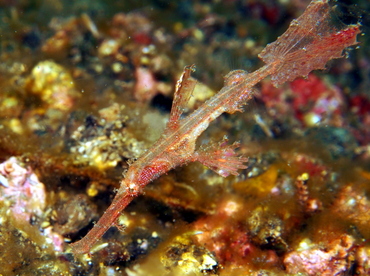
<point x="146" y="84"/>
<point x="22" y="189"/>
<point x="316" y="261"/>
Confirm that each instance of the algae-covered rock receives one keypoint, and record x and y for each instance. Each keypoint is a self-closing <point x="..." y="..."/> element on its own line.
<point x="53" y="84"/>
<point x="25" y="251"/>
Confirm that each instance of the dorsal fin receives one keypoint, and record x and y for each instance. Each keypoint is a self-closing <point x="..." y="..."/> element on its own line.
<point x="184" y="88"/>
